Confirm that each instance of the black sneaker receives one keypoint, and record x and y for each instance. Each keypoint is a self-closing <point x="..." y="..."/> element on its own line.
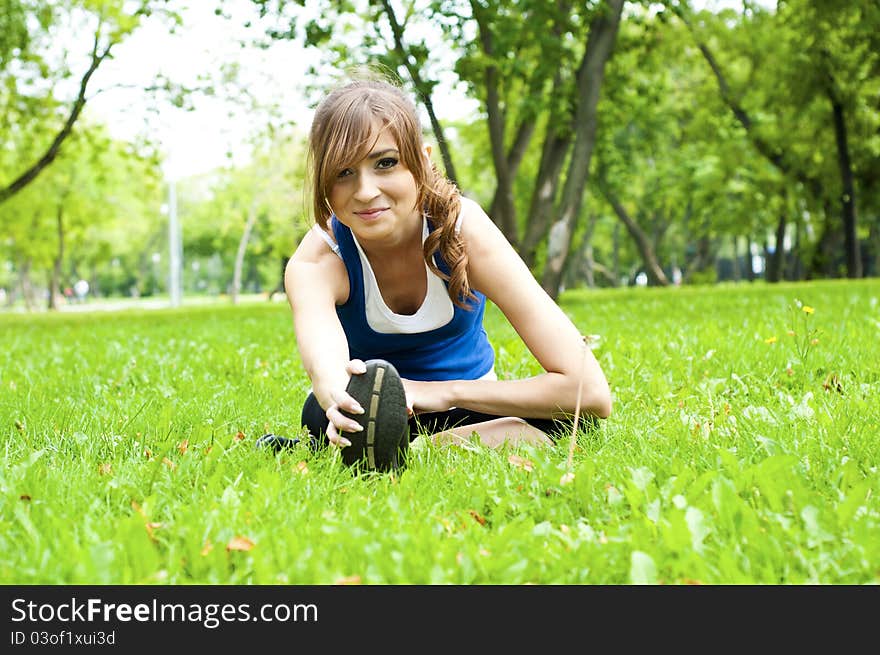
<point x="383" y="443"/>
<point x="275" y="443"/>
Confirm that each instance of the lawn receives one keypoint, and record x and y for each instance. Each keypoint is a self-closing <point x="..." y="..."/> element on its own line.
<point x="743" y="448"/>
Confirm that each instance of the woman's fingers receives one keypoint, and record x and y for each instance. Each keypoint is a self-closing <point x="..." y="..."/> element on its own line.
<point x="339" y="422"/>
<point x="343" y="401"/>
<point x="356" y="367"/>
<point x="333" y="435"/>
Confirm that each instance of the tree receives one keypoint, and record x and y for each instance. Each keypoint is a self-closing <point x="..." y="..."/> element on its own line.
<point x="83" y="212"/>
<point x="30" y="75"/>
<point x="826" y="52"/>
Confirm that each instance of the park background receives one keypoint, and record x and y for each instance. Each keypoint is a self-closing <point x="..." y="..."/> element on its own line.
<point x="157" y="149"/>
<point x="696" y="183"/>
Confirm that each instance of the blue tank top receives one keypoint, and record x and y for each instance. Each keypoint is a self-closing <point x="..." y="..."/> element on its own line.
<point x="459" y="350"/>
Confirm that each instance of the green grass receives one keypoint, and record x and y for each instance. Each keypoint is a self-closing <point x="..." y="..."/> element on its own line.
<point x="728" y="458"/>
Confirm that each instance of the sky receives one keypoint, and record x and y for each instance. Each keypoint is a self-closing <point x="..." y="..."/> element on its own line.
<point x="197" y="141"/>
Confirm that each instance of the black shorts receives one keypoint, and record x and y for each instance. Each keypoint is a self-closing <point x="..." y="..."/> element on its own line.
<point x="314" y="419"/>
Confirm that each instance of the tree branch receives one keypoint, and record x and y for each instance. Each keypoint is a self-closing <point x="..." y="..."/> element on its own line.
<point x="54" y="148"/>
<point x="421" y="87"/>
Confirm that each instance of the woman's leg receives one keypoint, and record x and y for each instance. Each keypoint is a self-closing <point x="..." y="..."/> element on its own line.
<point x="493" y="430"/>
<point x="457" y="426"/>
<point x="314" y="419"/>
<point x="494" y="433"/>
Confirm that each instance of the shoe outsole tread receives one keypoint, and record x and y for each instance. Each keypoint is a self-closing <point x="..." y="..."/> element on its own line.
<point x="384" y="441"/>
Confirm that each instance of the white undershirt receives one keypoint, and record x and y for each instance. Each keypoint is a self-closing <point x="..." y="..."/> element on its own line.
<point x="436" y="309"/>
<point x="435" y="312"/>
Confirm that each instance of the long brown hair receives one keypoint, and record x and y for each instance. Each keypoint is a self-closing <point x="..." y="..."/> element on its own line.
<point x="342" y="133"/>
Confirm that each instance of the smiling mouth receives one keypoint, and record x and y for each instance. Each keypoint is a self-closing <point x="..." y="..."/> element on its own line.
<point x="371" y="213"/>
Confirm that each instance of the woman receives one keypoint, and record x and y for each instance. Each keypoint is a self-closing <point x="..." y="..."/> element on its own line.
<point x="397" y="271"/>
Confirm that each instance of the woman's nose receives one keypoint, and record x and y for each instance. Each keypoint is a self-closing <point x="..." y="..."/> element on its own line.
<point x="367" y="189"/>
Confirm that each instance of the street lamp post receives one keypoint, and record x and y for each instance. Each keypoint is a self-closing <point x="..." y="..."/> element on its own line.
<point x="175" y="248"/>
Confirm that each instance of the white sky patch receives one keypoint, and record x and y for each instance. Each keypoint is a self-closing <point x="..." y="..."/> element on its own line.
<point x="218" y="131"/>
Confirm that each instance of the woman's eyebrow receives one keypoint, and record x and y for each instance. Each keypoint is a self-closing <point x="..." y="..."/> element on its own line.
<point x="382" y="153"/>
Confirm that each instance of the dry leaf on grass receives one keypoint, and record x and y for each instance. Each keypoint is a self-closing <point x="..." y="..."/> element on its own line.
<point x="521" y="462"/>
<point x="240" y="543"/>
<point x="349" y="580"/>
<point x="151" y="527"/>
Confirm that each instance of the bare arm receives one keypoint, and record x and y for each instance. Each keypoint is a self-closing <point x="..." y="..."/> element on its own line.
<point x="495" y="269"/>
<point x="315" y="280"/>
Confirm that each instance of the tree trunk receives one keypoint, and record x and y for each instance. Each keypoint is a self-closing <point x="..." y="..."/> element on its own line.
<point x="701" y="259"/>
<point x="242" y="248"/>
<point x="503" y="197"/>
<point x="579" y="267"/>
<point x="750" y="263"/>
<point x="615" y="253"/>
<point x="589" y="265"/>
<point x="600" y="44"/>
<point x="848" y="196"/>
<point x="874" y="240"/>
<point x="822" y="261"/>
<point x="656" y="276"/>
<point x="556" y="144"/>
<point x="55" y="278"/>
<point x="422" y="88"/>
<point x="503" y="207"/>
<point x="796" y="270"/>
<point x="777" y="259"/>
<point x="736" y="272"/>
<point x="27" y="287"/>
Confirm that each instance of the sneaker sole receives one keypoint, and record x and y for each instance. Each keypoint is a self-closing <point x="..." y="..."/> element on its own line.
<point x="383" y="442"/>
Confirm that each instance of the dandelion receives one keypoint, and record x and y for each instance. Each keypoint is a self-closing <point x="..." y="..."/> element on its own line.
<point x="770" y="339"/>
<point x="807" y="309"/>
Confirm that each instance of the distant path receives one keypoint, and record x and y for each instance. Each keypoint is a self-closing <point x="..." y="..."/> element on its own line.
<point x="120" y="304"/>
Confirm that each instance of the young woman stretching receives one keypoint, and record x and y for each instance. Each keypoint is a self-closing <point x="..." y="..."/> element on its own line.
<point x="388" y="291"/>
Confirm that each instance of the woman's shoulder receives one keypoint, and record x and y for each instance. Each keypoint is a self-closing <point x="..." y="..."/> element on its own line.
<point x="477" y="230"/>
<point x="317" y="246"/>
<point x="471" y="217"/>
<point x="316" y="261"/>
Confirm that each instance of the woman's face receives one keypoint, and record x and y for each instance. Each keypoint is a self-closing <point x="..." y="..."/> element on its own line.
<point x="376" y="196"/>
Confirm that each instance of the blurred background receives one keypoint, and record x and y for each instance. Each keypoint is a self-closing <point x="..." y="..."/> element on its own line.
<point x="154" y="151"/>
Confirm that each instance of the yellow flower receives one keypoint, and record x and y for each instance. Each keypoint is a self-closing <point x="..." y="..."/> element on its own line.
<point x="770" y="340"/>
<point x="807" y="309"/>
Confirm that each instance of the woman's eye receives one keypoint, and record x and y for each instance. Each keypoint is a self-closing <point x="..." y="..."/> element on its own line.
<point x="344" y="173"/>
<point x="386" y="162"/>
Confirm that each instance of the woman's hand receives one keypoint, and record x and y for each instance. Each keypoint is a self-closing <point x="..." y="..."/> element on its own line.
<point x="338" y="422"/>
<point x="426" y="396"/>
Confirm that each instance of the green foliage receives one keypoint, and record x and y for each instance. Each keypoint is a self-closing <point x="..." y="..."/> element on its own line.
<point x="129" y="454"/>
<point x="668" y="143"/>
<point x="215" y="208"/>
<point x="106" y="195"/>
